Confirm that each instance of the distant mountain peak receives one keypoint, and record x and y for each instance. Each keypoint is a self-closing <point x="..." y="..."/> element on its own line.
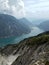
<point x="10" y="26"/>
<point x="25" y="20"/>
<point x="44" y="25"/>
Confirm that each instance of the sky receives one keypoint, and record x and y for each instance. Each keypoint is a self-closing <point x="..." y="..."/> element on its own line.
<point x="12" y="7"/>
<point x="31" y="9"/>
<point x="38" y="9"/>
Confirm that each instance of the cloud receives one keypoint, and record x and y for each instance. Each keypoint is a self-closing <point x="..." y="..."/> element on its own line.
<point x="16" y="9"/>
<point x="37" y="9"/>
<point x="4" y="5"/>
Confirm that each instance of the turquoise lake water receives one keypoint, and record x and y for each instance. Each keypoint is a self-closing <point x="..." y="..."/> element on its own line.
<point x="12" y="40"/>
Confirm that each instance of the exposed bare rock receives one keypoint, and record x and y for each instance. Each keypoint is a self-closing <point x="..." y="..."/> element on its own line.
<point x="30" y="51"/>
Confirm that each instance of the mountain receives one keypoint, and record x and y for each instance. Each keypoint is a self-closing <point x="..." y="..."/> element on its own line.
<point x="44" y="25"/>
<point x="30" y="51"/>
<point x="26" y="22"/>
<point x="10" y="26"/>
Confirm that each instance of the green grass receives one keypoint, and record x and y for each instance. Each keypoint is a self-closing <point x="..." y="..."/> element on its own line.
<point x="38" y="40"/>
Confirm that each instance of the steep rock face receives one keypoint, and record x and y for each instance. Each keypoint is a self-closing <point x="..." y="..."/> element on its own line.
<point x="10" y="26"/>
<point x="32" y="51"/>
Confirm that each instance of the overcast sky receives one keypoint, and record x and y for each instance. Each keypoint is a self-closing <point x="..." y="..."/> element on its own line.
<point x="32" y="9"/>
<point x="12" y="7"/>
<point x="37" y="8"/>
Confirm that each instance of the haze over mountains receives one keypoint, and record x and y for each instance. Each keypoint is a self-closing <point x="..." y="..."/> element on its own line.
<point x="24" y="32"/>
<point x="13" y="30"/>
<point x="10" y="26"/>
<point x="44" y="25"/>
<point x="26" y="22"/>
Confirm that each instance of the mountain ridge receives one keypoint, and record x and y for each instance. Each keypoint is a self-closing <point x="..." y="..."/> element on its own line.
<point x="44" y="25"/>
<point x="10" y="26"/>
<point x="33" y="50"/>
<point x="29" y="23"/>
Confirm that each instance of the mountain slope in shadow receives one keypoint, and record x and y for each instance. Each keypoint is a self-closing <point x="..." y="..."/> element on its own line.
<point x="44" y="25"/>
<point x="26" y="22"/>
<point x="10" y="26"/>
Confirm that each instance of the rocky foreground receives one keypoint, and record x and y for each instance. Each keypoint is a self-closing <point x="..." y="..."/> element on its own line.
<point x="30" y="51"/>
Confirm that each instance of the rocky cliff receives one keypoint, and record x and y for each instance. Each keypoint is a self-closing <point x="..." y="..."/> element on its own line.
<point x="30" y="51"/>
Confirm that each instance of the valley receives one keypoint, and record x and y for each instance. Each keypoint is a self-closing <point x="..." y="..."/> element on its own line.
<point x="30" y="51"/>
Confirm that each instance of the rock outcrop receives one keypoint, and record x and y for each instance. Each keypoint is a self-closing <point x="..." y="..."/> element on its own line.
<point x="30" y="51"/>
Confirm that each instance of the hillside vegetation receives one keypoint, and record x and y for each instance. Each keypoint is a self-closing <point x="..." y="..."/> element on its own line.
<point x="33" y="50"/>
